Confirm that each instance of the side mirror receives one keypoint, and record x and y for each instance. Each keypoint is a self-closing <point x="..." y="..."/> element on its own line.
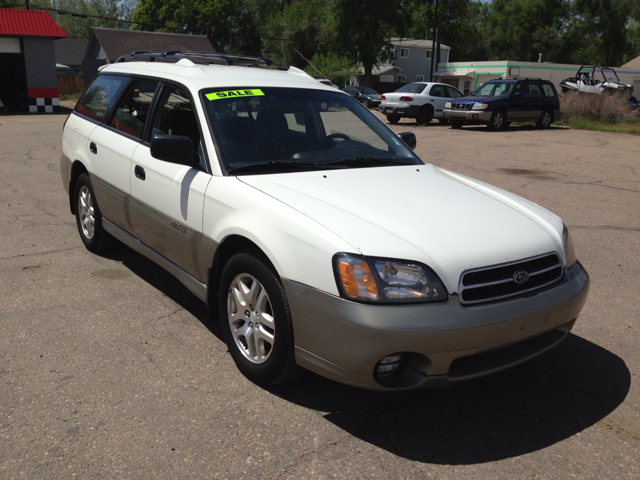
<point x="409" y="138"/>
<point x="172" y="148"/>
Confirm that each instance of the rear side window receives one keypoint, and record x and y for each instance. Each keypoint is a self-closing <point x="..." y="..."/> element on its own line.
<point x="131" y="114"/>
<point x="412" y="88"/>
<point x="100" y="97"/>
<point x="548" y="90"/>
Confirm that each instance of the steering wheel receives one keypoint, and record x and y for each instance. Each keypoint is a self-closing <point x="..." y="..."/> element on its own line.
<point x="324" y="143"/>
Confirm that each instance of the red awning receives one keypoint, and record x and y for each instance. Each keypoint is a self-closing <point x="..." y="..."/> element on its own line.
<point x="34" y="23"/>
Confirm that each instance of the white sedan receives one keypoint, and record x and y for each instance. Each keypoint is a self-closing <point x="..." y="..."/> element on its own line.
<point x="420" y="100"/>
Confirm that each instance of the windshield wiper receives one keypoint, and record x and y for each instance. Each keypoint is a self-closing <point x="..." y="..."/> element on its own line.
<point x="368" y="161"/>
<point x="274" y="165"/>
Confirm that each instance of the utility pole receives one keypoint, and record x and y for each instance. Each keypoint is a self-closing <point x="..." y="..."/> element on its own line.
<point x="435" y="40"/>
<point x="28" y="4"/>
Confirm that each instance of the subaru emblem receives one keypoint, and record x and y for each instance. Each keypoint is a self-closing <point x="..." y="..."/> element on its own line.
<point x="520" y="276"/>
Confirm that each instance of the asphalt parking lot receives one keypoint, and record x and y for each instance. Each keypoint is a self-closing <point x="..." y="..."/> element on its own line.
<point x="110" y="368"/>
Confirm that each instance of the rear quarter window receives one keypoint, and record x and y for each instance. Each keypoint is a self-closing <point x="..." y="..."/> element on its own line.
<point x="100" y="97"/>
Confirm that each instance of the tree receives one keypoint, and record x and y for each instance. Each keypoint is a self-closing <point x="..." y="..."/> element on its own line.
<point x="229" y="24"/>
<point x="363" y="27"/>
<point x="461" y="25"/>
<point x="523" y="29"/>
<point x="292" y="32"/>
<point x="336" y="68"/>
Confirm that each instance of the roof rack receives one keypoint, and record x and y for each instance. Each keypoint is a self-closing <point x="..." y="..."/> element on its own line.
<point x="204" y="58"/>
<point x="526" y="78"/>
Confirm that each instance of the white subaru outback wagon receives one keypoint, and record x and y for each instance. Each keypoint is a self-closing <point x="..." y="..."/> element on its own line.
<point x="315" y="235"/>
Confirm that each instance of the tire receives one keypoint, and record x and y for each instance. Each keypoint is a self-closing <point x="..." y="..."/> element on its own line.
<point x="393" y="119"/>
<point x="456" y="124"/>
<point x="365" y="102"/>
<point x="497" y="121"/>
<point x="425" y="114"/>
<point x="255" y="318"/>
<point x="89" y="219"/>
<point x="545" y="120"/>
<point x="443" y="121"/>
<point x="323" y="106"/>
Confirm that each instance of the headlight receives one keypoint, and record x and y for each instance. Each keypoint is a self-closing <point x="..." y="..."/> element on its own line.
<point x="569" y="250"/>
<point x="479" y="106"/>
<point x="447" y="105"/>
<point x="379" y="280"/>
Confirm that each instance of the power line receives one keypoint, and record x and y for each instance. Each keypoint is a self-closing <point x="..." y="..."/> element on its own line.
<point x="86" y="15"/>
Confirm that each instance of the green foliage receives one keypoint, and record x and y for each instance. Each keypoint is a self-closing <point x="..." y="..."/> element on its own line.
<point x="228" y="24"/>
<point x="294" y="31"/>
<point x="332" y="66"/>
<point x="461" y="26"/>
<point x="580" y="123"/>
<point x="363" y="27"/>
<point x="79" y="27"/>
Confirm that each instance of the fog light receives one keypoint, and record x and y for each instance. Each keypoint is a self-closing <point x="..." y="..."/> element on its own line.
<point x="390" y="363"/>
<point x="475" y="116"/>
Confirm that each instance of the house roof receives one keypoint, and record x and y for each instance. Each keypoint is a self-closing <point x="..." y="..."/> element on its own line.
<point x="381" y="69"/>
<point x="29" y="23"/>
<point x="635" y="63"/>
<point x="415" y="43"/>
<point x="70" y="51"/>
<point x="116" y="43"/>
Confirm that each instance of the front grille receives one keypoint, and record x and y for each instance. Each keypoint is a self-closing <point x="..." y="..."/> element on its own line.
<point x="461" y="106"/>
<point x="497" y="282"/>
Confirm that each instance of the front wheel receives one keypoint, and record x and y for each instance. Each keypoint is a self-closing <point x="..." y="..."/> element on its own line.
<point x="456" y="124"/>
<point x="365" y="102"/>
<point x="393" y="119"/>
<point x="89" y="219"/>
<point x="497" y="120"/>
<point x="256" y="322"/>
<point x="425" y="115"/>
<point x="545" y="120"/>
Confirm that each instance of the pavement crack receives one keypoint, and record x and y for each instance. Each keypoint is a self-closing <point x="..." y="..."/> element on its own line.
<point x="564" y="383"/>
<point x="305" y="456"/>
<point x="605" y="227"/>
<point x="40" y="253"/>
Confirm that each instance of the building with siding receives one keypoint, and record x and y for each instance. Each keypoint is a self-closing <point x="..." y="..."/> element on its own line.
<point x="28" y="79"/>
<point x="467" y="76"/>
<point x="412" y="63"/>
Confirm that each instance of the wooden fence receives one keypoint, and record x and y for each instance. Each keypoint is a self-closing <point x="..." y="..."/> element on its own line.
<point x="70" y="84"/>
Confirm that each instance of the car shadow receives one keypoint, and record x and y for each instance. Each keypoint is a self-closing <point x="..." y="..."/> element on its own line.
<point x="509" y="129"/>
<point x="166" y="283"/>
<point x="511" y="413"/>
<point x="515" y="412"/>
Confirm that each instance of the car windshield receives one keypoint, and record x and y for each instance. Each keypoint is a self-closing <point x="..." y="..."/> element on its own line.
<point x="267" y="130"/>
<point x="494" y="89"/>
<point x="367" y="91"/>
<point x="412" y="88"/>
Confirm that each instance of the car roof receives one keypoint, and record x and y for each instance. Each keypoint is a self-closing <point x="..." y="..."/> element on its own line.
<point x="197" y="76"/>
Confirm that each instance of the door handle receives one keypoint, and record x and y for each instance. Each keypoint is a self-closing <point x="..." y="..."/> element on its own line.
<point x="139" y="171"/>
<point x="93" y="148"/>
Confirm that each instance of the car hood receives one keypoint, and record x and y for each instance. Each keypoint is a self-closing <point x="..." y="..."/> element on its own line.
<point x="478" y="99"/>
<point x="421" y="213"/>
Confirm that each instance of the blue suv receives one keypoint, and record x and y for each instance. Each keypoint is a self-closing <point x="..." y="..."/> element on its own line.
<point x="497" y="103"/>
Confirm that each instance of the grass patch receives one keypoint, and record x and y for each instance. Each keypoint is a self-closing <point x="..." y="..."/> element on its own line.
<point x="581" y="123"/>
<point x="70" y="96"/>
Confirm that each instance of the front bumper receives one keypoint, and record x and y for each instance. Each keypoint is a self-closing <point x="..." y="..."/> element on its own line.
<point x="410" y="111"/>
<point x="443" y="342"/>
<point x="468" y="116"/>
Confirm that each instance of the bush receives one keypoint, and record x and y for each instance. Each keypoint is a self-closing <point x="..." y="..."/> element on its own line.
<point x="609" y="108"/>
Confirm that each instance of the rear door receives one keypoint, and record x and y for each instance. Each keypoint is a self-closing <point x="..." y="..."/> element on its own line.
<point x="438" y="97"/>
<point x="109" y="153"/>
<point x="535" y="102"/>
